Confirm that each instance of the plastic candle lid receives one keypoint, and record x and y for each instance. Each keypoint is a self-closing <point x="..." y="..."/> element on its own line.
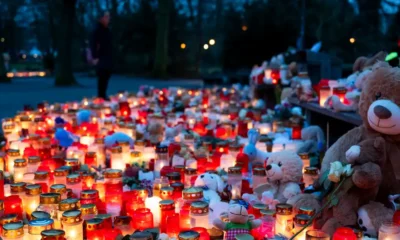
<point x="40" y="215"/>
<point x="36" y="226"/>
<point x="189" y="235"/>
<point x="69" y="204"/>
<point x="53" y="234"/>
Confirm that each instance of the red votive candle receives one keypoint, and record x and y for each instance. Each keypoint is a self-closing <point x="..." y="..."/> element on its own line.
<point x="112" y="233"/>
<point x="203" y="233"/>
<point x="173" y="228"/>
<point x="91" y="159"/>
<point x="124" y="109"/>
<point x="94" y="229"/>
<point x="143" y="219"/>
<point x="184" y="220"/>
<point x="344" y="233"/>
<point x="167" y="208"/>
<point x="13" y="205"/>
<point x="296" y="131"/>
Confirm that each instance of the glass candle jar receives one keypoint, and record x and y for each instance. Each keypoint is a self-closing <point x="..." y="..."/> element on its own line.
<point x="227" y="161"/>
<point x="158" y="184"/>
<point x="33" y="163"/>
<point x="267" y="227"/>
<point x="87" y="181"/>
<point x="53" y="234"/>
<point x="91" y="159"/>
<point x="188" y="139"/>
<point x="113" y="181"/>
<point x="166" y="193"/>
<point x="389" y="231"/>
<point x="190" y="173"/>
<point x="340" y="92"/>
<point x="306" y="160"/>
<point x="259" y="177"/>
<point x="235" y="180"/>
<point x="35" y="227"/>
<point x="188" y="235"/>
<point x="61" y="189"/>
<point x="13" y="231"/>
<point x="20" y="168"/>
<point x="88" y="211"/>
<point x="324" y="93"/>
<point x="126" y="151"/>
<point x="66" y="205"/>
<point x="72" y="224"/>
<point x="100" y="152"/>
<point x="45" y="148"/>
<point x="49" y="203"/>
<point x="143" y="219"/>
<point x="123" y="223"/>
<point x="177" y="192"/>
<point x="74" y="183"/>
<point x="141" y="236"/>
<point x="40" y="215"/>
<point x="117" y="161"/>
<point x="12" y="155"/>
<point x="300" y="221"/>
<point x="310" y="175"/>
<point x="94" y="229"/>
<point x="32" y="198"/>
<point x="173" y="228"/>
<point x="162" y="159"/>
<point x="173" y="177"/>
<point x="284" y="219"/>
<point x="234" y="150"/>
<point x="199" y="214"/>
<point x="89" y="196"/>
<point x="73" y="163"/>
<point x="42" y="178"/>
<point x="167" y="208"/>
<point x="60" y="175"/>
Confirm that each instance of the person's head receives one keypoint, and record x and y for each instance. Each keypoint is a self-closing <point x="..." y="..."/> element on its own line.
<point x="104" y="18"/>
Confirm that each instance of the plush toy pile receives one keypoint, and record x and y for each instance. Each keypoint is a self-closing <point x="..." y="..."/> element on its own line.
<point x="199" y="164"/>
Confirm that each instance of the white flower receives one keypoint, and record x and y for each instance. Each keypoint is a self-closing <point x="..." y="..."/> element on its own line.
<point x="347" y="170"/>
<point x="335" y="171"/>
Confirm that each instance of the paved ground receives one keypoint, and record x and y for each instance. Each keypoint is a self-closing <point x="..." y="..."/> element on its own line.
<point x="34" y="90"/>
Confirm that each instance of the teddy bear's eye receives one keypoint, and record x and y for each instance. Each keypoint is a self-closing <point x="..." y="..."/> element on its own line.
<point x="212" y="177"/>
<point x="378" y="95"/>
<point x="280" y="164"/>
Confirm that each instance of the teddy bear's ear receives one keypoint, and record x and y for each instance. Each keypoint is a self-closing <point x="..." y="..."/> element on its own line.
<point x="253" y="136"/>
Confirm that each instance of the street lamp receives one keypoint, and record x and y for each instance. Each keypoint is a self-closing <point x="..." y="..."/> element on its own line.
<point x="211" y="42"/>
<point x="352" y="40"/>
<point x="2" y="39"/>
<point x="205" y="46"/>
<point x="183" y="45"/>
<point x="244" y="28"/>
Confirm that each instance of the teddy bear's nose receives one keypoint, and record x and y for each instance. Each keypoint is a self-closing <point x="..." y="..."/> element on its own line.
<point x="202" y="176"/>
<point x="381" y="112"/>
<point x="269" y="167"/>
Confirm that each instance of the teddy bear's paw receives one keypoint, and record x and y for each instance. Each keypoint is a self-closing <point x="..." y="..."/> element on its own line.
<point x="267" y="197"/>
<point x="353" y="153"/>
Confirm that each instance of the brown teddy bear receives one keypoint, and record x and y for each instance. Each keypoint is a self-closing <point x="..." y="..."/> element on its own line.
<point x="373" y="147"/>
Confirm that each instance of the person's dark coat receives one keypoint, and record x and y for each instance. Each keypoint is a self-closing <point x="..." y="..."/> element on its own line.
<point x="101" y="47"/>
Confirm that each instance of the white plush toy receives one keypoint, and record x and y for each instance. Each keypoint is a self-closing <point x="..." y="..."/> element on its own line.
<point x="284" y="173"/>
<point x="371" y="216"/>
<point x="255" y="155"/>
<point x="212" y="184"/>
<point x="109" y="141"/>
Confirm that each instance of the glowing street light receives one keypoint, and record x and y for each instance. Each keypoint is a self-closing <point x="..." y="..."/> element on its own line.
<point x="2" y="39"/>
<point x="211" y="42"/>
<point x="205" y="46"/>
<point x="244" y="28"/>
<point x="352" y="40"/>
<point x="183" y="46"/>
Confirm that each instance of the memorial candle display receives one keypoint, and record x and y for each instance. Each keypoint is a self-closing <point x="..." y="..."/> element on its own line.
<point x="66" y="205"/>
<point x="32" y="198"/>
<point x="284" y="219"/>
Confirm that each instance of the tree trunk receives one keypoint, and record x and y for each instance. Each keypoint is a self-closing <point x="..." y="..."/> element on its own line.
<point x="161" y="58"/>
<point x="199" y="34"/>
<point x="3" y="70"/>
<point x="64" y="74"/>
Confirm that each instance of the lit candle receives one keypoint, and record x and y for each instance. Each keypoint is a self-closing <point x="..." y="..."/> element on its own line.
<point x="49" y="203"/>
<point x="340" y="92"/>
<point x="306" y="160"/>
<point x="162" y="159"/>
<point x="263" y="128"/>
<point x="100" y="151"/>
<point x="60" y="175"/>
<point x="91" y="159"/>
<point x="259" y="177"/>
<point x="94" y="229"/>
<point x="20" y="168"/>
<point x="300" y="221"/>
<point x="35" y="227"/>
<point x="152" y="203"/>
<point x="72" y="224"/>
<point x="173" y="228"/>
<point x="42" y="178"/>
<point x="33" y="163"/>
<point x="53" y="234"/>
<point x="199" y="214"/>
<point x="143" y="219"/>
<point x="32" y="198"/>
<point x="65" y="205"/>
<point x="12" y="155"/>
<point x="190" y="173"/>
<point x="87" y="140"/>
<point x="227" y="161"/>
<point x="310" y="175"/>
<point x="14" y="231"/>
<point x="167" y="209"/>
<point x="344" y="233"/>
<point x="284" y="220"/>
<point x="117" y="161"/>
<point x="235" y="180"/>
<point x="88" y="211"/>
<point x="123" y="223"/>
<point x="74" y="183"/>
<point x="324" y="93"/>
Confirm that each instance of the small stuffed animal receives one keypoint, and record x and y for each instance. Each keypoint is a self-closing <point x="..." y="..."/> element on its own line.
<point x="371" y="216"/>
<point x="240" y="222"/>
<point x="156" y="132"/>
<point x="212" y="184"/>
<point x="255" y="155"/>
<point x="314" y="139"/>
<point x="112" y="139"/>
<point x="83" y="116"/>
<point x="284" y="173"/>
